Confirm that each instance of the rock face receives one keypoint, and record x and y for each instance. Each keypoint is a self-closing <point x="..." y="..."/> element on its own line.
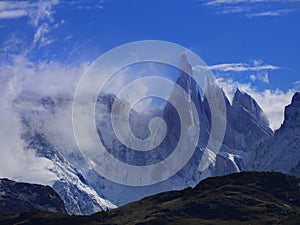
<point x="282" y="151"/>
<point x="16" y="197"/>
<point x="247" y="124"/>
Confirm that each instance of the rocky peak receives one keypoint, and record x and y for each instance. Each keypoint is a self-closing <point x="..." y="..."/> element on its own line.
<point x="292" y="112"/>
<point x="296" y="99"/>
<point x="245" y="102"/>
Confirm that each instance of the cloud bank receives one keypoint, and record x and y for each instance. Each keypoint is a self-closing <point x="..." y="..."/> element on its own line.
<point x="23" y="84"/>
<point x="15" y="162"/>
<point x="24" y="78"/>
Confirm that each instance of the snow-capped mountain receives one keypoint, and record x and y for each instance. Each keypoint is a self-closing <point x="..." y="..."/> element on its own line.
<point x="47" y="129"/>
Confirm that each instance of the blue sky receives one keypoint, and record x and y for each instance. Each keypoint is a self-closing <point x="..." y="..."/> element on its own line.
<point x="251" y="44"/>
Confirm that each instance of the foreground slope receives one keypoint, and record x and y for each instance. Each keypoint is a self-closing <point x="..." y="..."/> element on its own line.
<point x="242" y="198"/>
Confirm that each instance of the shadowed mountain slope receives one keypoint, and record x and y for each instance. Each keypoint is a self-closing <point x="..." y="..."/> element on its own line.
<point x="16" y="197"/>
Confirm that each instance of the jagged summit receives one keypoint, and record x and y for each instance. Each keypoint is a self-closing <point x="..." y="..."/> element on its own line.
<point x="292" y="113"/>
<point x="243" y="100"/>
<point x="247" y="124"/>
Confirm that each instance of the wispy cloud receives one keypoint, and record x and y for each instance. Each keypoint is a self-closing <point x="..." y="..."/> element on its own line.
<point x="253" y="66"/>
<point x="297" y="84"/>
<point x="222" y="2"/>
<point x="240" y="67"/>
<point x="89" y="6"/>
<point x="41" y="16"/>
<point x="22" y="84"/>
<point x="253" y="8"/>
<point x="14" y="9"/>
<point x="270" y="13"/>
<point x="12" y="14"/>
<point x="16" y="162"/>
<point x="40" y="34"/>
<point x="257" y="70"/>
<point x="39" y="13"/>
<point x="35" y="10"/>
<point x="264" y="77"/>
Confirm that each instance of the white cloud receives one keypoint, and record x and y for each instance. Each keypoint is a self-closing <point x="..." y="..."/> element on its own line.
<point x="234" y="9"/>
<point x="222" y="2"/>
<point x="253" y="8"/>
<point x="241" y="67"/>
<point x="272" y="102"/>
<point x="40" y="14"/>
<point x="12" y="45"/>
<point x="256" y="65"/>
<point x="297" y="84"/>
<point x="12" y="14"/>
<point x="270" y="13"/>
<point x="88" y="4"/>
<point x="15" y="162"/>
<point x="53" y="79"/>
<point x="14" y="5"/>
<point x="43" y="12"/>
<point x="256" y="70"/>
<point x="16" y="9"/>
<point x="40" y="34"/>
<point x="263" y="76"/>
<point x="36" y="10"/>
<point x="41" y="18"/>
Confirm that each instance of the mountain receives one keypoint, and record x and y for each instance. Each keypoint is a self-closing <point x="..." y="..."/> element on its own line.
<point x="241" y="198"/>
<point x="16" y="197"/>
<point x="282" y="151"/>
<point x="248" y="141"/>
